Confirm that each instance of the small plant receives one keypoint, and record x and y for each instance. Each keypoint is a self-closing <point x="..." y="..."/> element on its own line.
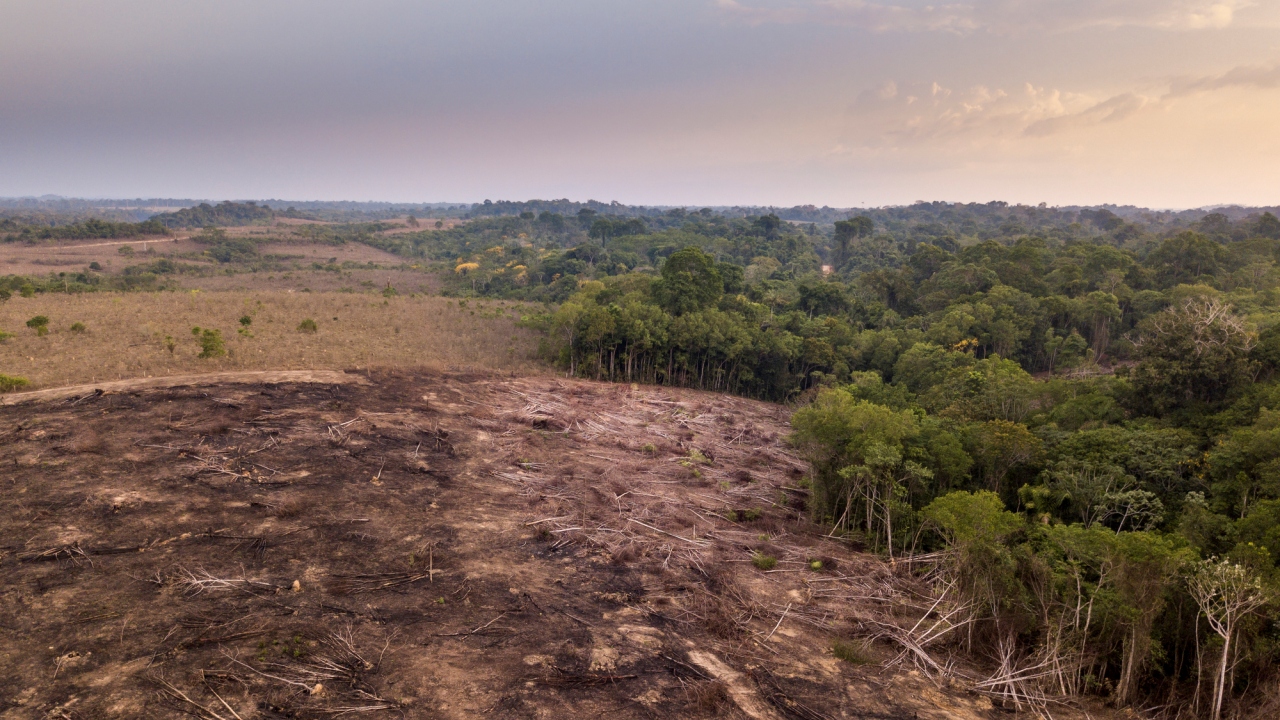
<point x="40" y="324"/>
<point x="5" y="335"/>
<point x="764" y="562"/>
<point x="27" y="290"/>
<point x="389" y="291"/>
<point x="245" y="322"/>
<point x="126" y="250"/>
<point x="170" y="344"/>
<point x="651" y="448"/>
<point x="211" y="343"/>
<point x="849" y="652"/>
<point x="95" y="266"/>
<point x="79" y="328"/>
<point x="308" y="326"/>
<point x="815" y="565"/>
<point x="9" y="383"/>
<point x="697" y="456"/>
<point x="5" y="294"/>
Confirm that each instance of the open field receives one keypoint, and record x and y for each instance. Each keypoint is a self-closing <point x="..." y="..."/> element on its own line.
<point x="420" y="545"/>
<point x="126" y="334"/>
<point x="39" y="260"/>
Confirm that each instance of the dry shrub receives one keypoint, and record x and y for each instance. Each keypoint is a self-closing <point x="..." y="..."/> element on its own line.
<point x="709" y="696"/>
<point x="624" y="555"/>
<point x="716" y="615"/>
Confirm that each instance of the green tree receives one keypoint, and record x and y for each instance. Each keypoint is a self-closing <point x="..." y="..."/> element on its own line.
<point x="1194" y="352"/>
<point x="689" y="282"/>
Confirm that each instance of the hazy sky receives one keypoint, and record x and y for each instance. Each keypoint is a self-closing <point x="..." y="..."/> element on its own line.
<point x="1165" y="103"/>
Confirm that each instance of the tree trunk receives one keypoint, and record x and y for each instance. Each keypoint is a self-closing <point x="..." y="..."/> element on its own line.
<point x="1219" y="685"/>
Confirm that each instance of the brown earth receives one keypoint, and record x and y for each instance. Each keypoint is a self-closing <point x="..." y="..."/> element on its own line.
<point x="422" y="545"/>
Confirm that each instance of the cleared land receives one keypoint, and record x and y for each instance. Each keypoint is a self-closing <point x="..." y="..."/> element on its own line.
<point x="279" y="265"/>
<point x="128" y="334"/>
<point x="434" y="546"/>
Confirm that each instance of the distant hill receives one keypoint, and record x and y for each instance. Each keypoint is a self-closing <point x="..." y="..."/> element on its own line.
<point x="223" y="214"/>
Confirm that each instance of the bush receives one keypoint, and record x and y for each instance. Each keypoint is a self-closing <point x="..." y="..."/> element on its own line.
<point x="5" y="335"/>
<point x="9" y="383"/>
<point x="211" y="343"/>
<point x="308" y="326"/>
<point x="764" y="562"/>
<point x="79" y="328"/>
<point x="40" y="324"/>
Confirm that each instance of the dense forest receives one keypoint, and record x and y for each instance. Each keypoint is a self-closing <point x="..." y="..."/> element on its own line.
<point x="1081" y="409"/>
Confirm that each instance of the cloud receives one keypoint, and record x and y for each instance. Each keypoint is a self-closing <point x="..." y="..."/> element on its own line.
<point x="895" y="115"/>
<point x="1257" y="77"/>
<point x="1001" y="16"/>
<point x="1113" y="109"/>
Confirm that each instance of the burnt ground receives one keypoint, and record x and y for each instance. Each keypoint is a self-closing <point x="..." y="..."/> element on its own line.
<point x="430" y="546"/>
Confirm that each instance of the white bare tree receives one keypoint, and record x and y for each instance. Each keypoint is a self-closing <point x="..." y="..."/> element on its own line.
<point x="1225" y="592"/>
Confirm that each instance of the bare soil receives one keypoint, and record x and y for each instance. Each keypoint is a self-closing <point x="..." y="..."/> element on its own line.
<point x="426" y="545"/>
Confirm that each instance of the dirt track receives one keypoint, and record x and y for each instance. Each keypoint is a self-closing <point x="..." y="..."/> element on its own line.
<point x="424" y="546"/>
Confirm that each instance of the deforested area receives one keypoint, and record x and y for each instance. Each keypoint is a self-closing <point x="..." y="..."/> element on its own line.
<point x="402" y="544"/>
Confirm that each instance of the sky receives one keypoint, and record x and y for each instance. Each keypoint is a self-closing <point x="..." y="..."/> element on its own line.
<point x="1158" y="103"/>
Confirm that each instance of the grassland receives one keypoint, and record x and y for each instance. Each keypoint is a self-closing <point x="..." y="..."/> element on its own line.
<point x="127" y="334"/>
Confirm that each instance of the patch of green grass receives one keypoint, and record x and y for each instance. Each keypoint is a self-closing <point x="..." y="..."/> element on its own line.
<point x="852" y="653"/>
<point x="79" y="328"/>
<point x="308" y="326"/>
<point x="764" y="562"/>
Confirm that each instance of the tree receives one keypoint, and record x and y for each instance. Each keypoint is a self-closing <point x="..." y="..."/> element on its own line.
<point x="847" y="231"/>
<point x="690" y="282"/>
<point x="859" y="450"/>
<point x="1146" y="564"/>
<point x="975" y="527"/>
<point x="1194" y="352"/>
<point x="998" y="446"/>
<point x="1226" y="592"/>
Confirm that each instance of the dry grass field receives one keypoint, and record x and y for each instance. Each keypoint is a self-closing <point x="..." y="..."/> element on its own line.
<point x="126" y="334"/>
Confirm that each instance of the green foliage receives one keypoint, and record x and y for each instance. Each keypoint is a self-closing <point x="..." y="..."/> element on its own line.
<point x="9" y="383"/>
<point x="40" y="324"/>
<point x="851" y="653"/>
<point x="224" y="214"/>
<point x="79" y="328"/>
<point x="308" y="326"/>
<point x="211" y="342"/>
<point x="764" y="562"/>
